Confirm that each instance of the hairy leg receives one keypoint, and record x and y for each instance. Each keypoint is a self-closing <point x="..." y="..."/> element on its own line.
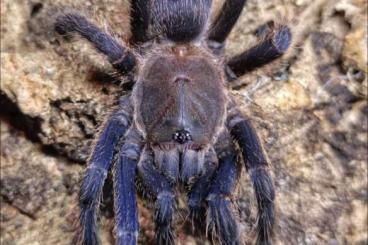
<point x="159" y="188"/>
<point x="125" y="203"/>
<point x="224" y="23"/>
<point x="140" y="18"/>
<point x="221" y="220"/>
<point x="95" y="175"/>
<point x="273" y="45"/>
<point x="257" y="165"/>
<point x="118" y="55"/>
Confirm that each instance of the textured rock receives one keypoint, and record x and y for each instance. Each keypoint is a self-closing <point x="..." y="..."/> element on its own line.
<point x="310" y="109"/>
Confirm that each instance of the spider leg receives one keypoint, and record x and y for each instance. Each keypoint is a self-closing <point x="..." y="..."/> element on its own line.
<point x="257" y="165"/>
<point x="221" y="221"/>
<point x="274" y="44"/>
<point x="140" y="17"/>
<point x="224" y="23"/>
<point x="96" y="173"/>
<point x="125" y="203"/>
<point x="161" y="189"/>
<point x="119" y="56"/>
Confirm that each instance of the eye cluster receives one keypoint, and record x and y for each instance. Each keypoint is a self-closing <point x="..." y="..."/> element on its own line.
<point x="182" y="136"/>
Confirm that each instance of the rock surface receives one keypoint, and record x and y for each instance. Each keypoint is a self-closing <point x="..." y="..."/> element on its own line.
<point x="310" y="109"/>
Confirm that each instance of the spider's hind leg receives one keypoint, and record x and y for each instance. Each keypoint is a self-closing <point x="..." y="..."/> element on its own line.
<point x="162" y="191"/>
<point x="118" y="55"/>
<point x="273" y="45"/>
<point x="95" y="175"/>
<point x="221" y="216"/>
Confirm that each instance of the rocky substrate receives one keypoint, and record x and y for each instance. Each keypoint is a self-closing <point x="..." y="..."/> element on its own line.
<point x="310" y="109"/>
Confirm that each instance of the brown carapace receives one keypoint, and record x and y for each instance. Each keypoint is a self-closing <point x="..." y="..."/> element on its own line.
<point x="179" y="126"/>
<point x="180" y="101"/>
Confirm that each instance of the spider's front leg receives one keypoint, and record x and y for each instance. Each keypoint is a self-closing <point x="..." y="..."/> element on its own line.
<point x="221" y="220"/>
<point x="125" y="203"/>
<point x="257" y="165"/>
<point x="119" y="56"/>
<point x="95" y="175"/>
<point x="162" y="190"/>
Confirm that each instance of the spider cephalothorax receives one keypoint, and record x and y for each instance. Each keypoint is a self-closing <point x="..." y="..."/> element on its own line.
<point x="180" y="101"/>
<point x="180" y="124"/>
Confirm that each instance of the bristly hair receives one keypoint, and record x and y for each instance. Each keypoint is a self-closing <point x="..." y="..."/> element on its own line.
<point x="180" y="20"/>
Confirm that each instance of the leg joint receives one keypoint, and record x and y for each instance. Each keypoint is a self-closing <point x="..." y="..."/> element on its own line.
<point x="97" y="170"/>
<point x="131" y="151"/>
<point x="263" y="185"/>
<point x="212" y="197"/>
<point x="125" y="63"/>
<point x="165" y="195"/>
<point x="126" y="233"/>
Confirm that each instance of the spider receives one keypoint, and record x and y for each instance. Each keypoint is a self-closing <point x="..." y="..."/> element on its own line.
<point x="180" y="126"/>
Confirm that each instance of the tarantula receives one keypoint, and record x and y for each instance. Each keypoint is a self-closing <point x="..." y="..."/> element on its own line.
<point x="180" y="125"/>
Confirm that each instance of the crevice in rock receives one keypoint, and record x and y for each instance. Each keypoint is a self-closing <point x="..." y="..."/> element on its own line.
<point x="36" y="8"/>
<point x="11" y="113"/>
<point x="20" y="210"/>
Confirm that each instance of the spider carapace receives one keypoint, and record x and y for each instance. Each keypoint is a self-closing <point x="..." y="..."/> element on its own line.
<point x="181" y="93"/>
<point x="180" y="105"/>
<point x="180" y="124"/>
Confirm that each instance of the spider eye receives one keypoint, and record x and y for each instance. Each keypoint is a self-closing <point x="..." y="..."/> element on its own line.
<point x="182" y="136"/>
<point x="188" y="136"/>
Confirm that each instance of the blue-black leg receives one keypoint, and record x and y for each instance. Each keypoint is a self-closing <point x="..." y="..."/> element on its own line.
<point x="119" y="56"/>
<point x="95" y="175"/>
<point x="225" y="22"/>
<point x="257" y="165"/>
<point x="159" y="188"/>
<point x="125" y="203"/>
<point x="221" y="220"/>
<point x="273" y="45"/>
<point x="140" y="18"/>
